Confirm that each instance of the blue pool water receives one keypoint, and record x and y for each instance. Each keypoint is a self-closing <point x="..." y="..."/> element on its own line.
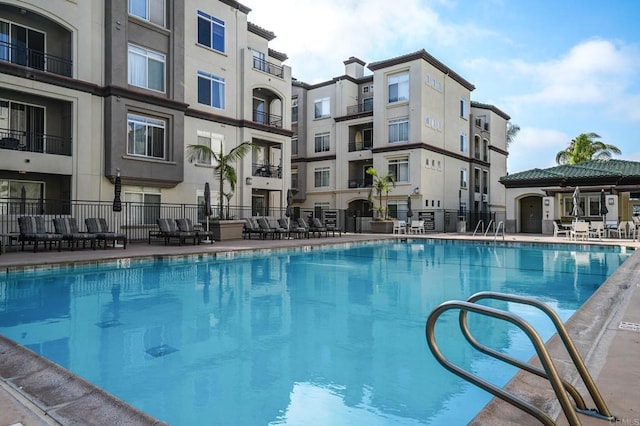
<point x="324" y="336"/>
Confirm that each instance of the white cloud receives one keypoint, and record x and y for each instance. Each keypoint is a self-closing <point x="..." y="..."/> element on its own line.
<point x="536" y="147"/>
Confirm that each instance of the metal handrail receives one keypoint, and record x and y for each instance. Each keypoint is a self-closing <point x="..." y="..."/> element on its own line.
<point x="480" y="222"/>
<point x="491" y="223"/>
<point x="601" y="411"/>
<point x="549" y="372"/>
<point x="500" y="225"/>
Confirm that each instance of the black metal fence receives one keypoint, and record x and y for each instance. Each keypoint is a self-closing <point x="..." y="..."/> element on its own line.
<point x="137" y="219"/>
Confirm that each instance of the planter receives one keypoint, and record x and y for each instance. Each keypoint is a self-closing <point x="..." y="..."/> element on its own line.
<point x="223" y="230"/>
<point x="381" y="226"/>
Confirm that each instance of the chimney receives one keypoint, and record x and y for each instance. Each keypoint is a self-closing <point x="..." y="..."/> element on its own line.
<point x="354" y="67"/>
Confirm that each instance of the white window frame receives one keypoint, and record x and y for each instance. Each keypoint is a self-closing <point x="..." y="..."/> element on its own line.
<point x="464" y="178"/>
<point x="399" y="168"/>
<point x="464" y="111"/>
<point x="294" y="178"/>
<point x="463" y="142"/>
<point x="214" y="141"/>
<point x="141" y="78"/>
<point x="398" y="130"/>
<point x="149" y="198"/>
<point x="398" y="87"/>
<point x="322" y="142"/>
<point x="294" y="145"/>
<point x="214" y="82"/>
<point x="215" y="23"/>
<point x="322" y="108"/>
<point x="321" y="177"/>
<point x="147" y="122"/>
<point x="151" y="14"/>
<point x="294" y="107"/>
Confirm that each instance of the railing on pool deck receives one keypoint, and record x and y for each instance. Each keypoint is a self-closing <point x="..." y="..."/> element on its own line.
<point x="560" y="387"/>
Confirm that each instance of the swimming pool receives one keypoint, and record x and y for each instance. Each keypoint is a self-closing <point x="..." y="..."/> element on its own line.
<point x="325" y="336"/>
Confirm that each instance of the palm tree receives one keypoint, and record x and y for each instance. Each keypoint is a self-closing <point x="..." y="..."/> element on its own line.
<point x="512" y="132"/>
<point x="223" y="169"/>
<point x="584" y="148"/>
<point x="381" y="184"/>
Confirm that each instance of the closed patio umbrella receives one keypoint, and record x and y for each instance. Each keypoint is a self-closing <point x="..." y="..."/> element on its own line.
<point x="207" y="208"/>
<point x="577" y="211"/>
<point x="603" y="204"/>
<point x="117" y="190"/>
<point x="287" y="212"/>
<point x="409" y="211"/>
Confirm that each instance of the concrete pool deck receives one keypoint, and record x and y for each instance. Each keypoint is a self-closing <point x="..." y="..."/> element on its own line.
<point x="34" y="391"/>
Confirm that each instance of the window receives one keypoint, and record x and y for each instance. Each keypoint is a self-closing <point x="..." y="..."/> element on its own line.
<point x="399" y="168"/>
<point x="145" y="136"/>
<point x="367" y="104"/>
<point x="294" y="145"/>
<point x="146" y="68"/>
<point x="321" y="177"/>
<point x="21" y="45"/>
<point x="321" y="108"/>
<point x="463" y="142"/>
<point x="367" y="89"/>
<point x="23" y="124"/>
<point x="463" y="178"/>
<point x="485" y="182"/>
<point x="213" y="141"/>
<point x="15" y="190"/>
<point x="322" y="142"/>
<point x="463" y="108"/>
<point x="147" y="198"/>
<point x="399" y="130"/>
<point x="294" y="110"/>
<point x="398" y="87"/>
<point x="149" y="10"/>
<point x="259" y="60"/>
<point x="211" y="90"/>
<point x="294" y="178"/>
<point x="210" y="32"/>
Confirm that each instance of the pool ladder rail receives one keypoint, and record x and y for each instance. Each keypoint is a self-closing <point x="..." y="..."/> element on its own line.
<point x="499" y="229"/>
<point x="561" y="388"/>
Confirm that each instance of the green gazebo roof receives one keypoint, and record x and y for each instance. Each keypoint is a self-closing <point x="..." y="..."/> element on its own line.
<point x="595" y="172"/>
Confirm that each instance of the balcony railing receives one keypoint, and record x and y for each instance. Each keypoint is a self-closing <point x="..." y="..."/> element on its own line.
<point x="34" y="142"/>
<point x="267" y="119"/>
<point x="268" y="67"/>
<point x="359" y="183"/>
<point x="267" y="170"/>
<point x="360" y="146"/>
<point x="363" y="107"/>
<point x="34" y="59"/>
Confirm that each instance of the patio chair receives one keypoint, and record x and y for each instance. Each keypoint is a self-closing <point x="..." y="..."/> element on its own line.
<point x="416" y="227"/>
<point x="558" y="230"/>
<point x="399" y="227"/>
<point x="68" y="228"/>
<point x="294" y="229"/>
<point x="99" y="226"/>
<point x="251" y="227"/>
<point x="270" y="226"/>
<point x="33" y="230"/>
<point x="580" y="231"/>
<point x="169" y="230"/>
<point x="596" y="229"/>
<point x="620" y="231"/>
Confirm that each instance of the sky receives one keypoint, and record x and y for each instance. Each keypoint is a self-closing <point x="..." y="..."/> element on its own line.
<point x="557" y="68"/>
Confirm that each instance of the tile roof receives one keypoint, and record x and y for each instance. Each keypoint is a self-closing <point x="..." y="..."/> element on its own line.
<point x="595" y="171"/>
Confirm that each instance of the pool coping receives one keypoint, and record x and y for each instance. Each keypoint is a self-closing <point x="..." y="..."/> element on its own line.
<point x="81" y="399"/>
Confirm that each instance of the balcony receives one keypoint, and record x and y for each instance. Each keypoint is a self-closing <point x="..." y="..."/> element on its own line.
<point x="360" y="183"/>
<point x="267" y="119"/>
<point x="34" y="59"/>
<point x="268" y="67"/>
<point x="266" y="170"/>
<point x="34" y="142"/>
<point x="362" y="107"/>
<point x="360" y="146"/>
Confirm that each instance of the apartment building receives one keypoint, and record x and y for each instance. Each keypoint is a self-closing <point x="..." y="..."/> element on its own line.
<point x="411" y="116"/>
<point x="93" y="89"/>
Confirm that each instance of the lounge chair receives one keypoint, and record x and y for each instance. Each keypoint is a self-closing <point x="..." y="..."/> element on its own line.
<point x="271" y="227"/>
<point x="68" y="228"/>
<point x="416" y="227"/>
<point x="596" y="229"/>
<point x="318" y="227"/>
<point x="33" y="230"/>
<point x="294" y="229"/>
<point x="559" y="230"/>
<point x="99" y="226"/>
<point x="186" y="225"/>
<point x="250" y="228"/>
<point x="399" y="227"/>
<point x="580" y="230"/>
<point x="169" y="230"/>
